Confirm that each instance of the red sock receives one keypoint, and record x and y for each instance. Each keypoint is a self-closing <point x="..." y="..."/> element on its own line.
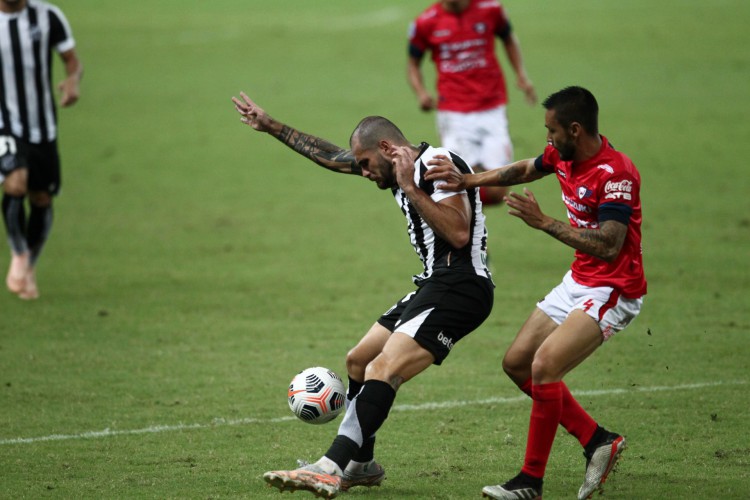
<point x="546" y="410"/>
<point x="526" y="387"/>
<point x="574" y="418"/>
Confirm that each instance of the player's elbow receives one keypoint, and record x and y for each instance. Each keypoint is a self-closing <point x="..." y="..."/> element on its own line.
<point x="610" y="253"/>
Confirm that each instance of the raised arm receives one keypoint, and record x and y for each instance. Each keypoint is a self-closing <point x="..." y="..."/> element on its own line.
<point x="319" y="150"/>
<point x="518" y="172"/>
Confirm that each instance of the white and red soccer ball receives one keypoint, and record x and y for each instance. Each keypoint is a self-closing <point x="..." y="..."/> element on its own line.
<point x="316" y="395"/>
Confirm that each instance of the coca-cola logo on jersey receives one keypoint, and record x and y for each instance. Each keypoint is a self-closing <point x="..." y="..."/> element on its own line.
<point x="624" y="186"/>
<point x="619" y="190"/>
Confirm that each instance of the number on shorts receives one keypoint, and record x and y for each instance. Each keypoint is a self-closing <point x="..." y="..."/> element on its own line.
<point x="7" y="145"/>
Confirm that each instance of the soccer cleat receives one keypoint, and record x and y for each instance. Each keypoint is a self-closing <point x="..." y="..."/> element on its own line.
<point x="308" y="478"/>
<point x="599" y="463"/>
<point x="370" y="474"/>
<point x="518" y="488"/>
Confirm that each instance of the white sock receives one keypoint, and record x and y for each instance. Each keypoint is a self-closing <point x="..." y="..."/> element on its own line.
<point x="353" y="466"/>
<point x="329" y="466"/>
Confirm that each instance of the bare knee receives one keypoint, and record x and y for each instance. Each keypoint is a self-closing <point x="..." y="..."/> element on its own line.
<point x="516" y="367"/>
<point x="357" y="360"/>
<point x="544" y="369"/>
<point x="16" y="182"/>
<point x="40" y="198"/>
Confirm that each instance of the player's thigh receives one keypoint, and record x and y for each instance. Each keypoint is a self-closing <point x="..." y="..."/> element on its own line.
<point x="15" y="182"/>
<point x="566" y="347"/>
<point x="496" y="148"/>
<point x="400" y="360"/>
<point x="519" y="356"/>
<point x="458" y="134"/>
<point x="366" y="350"/>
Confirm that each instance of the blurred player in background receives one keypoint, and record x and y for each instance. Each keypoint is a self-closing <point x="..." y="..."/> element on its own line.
<point x="453" y="297"/>
<point x="600" y="295"/>
<point x="30" y="31"/>
<point x="471" y="90"/>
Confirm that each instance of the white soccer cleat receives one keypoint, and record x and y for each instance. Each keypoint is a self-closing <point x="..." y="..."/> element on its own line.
<point x="600" y="463"/>
<point x="308" y="478"/>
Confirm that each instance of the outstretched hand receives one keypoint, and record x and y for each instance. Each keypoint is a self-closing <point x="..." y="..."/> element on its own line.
<point x="252" y="114"/>
<point x="445" y="171"/>
<point x="526" y="208"/>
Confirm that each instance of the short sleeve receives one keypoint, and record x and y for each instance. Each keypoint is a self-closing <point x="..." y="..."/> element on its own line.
<point x="418" y="42"/>
<point x="621" y="188"/>
<point x="61" y="36"/>
<point x="503" y="27"/>
<point x="546" y="161"/>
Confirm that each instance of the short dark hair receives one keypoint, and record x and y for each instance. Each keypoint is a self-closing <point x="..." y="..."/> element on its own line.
<point x="575" y="104"/>
<point x="373" y="129"/>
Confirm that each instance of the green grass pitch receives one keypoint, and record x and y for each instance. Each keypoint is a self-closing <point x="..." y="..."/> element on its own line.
<point x="196" y="266"/>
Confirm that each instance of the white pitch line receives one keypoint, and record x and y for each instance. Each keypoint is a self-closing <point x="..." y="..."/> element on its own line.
<point x="221" y="422"/>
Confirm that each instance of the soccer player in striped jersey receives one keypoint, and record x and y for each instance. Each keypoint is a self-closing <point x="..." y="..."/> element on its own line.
<point x="30" y="31"/>
<point x="453" y="296"/>
<point x="598" y="297"/>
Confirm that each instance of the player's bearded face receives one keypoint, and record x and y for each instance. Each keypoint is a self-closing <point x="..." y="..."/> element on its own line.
<point x="384" y="174"/>
<point x="567" y="149"/>
<point x="376" y="167"/>
<point x="559" y="138"/>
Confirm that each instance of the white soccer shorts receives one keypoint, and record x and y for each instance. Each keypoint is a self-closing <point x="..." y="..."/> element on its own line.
<point x="481" y="138"/>
<point x="608" y="308"/>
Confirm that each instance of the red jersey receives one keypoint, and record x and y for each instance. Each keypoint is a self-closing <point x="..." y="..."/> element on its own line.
<point x="469" y="77"/>
<point x="605" y="187"/>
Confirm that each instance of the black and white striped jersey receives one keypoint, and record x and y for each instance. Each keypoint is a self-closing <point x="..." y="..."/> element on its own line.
<point x="27" y="41"/>
<point x="435" y="253"/>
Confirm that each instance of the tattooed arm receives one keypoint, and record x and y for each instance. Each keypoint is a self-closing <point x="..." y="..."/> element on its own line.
<point x="515" y="173"/>
<point x="320" y="151"/>
<point x="604" y="243"/>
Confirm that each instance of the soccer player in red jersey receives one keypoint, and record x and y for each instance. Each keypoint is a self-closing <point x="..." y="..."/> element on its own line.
<point x="471" y="91"/>
<point x="599" y="296"/>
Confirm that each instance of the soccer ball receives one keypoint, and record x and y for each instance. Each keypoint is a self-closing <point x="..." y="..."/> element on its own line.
<point x="316" y="395"/>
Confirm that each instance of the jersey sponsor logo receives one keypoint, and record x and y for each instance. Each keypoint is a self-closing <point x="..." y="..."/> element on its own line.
<point x="618" y="190"/>
<point x="584" y="192"/>
<point x="580" y="207"/>
<point x="445" y="340"/>
<point x="463" y="45"/>
<point x="607" y="168"/>
<point x="458" y="67"/>
<point x="580" y="222"/>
